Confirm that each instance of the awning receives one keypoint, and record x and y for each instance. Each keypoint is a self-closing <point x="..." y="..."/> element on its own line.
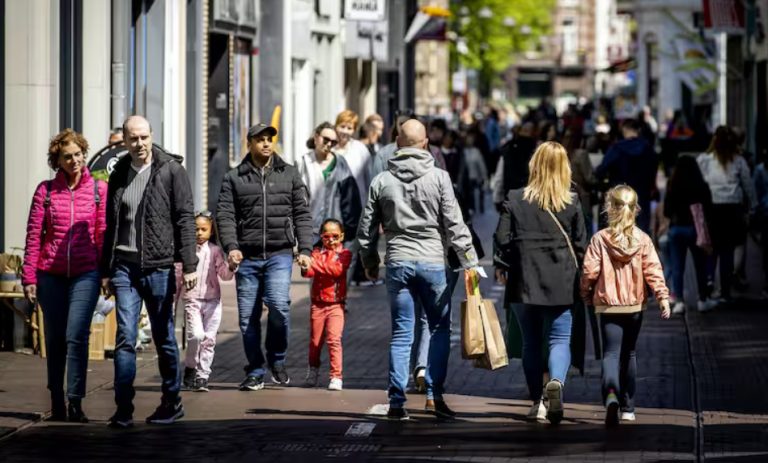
<point x="430" y="23"/>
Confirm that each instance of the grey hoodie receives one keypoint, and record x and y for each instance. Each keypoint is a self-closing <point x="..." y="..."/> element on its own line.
<point x="414" y="202"/>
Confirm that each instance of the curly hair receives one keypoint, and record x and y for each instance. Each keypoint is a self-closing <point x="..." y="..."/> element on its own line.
<point x="62" y="139"/>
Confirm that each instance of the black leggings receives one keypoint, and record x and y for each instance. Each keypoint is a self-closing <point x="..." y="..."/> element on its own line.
<point x="619" y="333"/>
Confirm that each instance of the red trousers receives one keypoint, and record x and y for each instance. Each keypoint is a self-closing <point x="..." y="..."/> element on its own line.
<point x="327" y="322"/>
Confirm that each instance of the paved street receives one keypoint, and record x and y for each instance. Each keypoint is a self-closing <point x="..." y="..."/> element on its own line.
<point x="700" y="399"/>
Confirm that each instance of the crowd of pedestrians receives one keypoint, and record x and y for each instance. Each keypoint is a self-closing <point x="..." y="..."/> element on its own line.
<point x="585" y="228"/>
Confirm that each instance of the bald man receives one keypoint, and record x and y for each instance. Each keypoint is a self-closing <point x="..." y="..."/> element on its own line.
<point x="150" y="223"/>
<point x="414" y="203"/>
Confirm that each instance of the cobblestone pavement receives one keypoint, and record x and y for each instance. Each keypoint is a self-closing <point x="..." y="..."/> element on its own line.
<point x="697" y="401"/>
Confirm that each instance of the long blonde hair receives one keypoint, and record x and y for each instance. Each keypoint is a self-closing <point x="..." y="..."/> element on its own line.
<point x="549" y="183"/>
<point x="621" y="209"/>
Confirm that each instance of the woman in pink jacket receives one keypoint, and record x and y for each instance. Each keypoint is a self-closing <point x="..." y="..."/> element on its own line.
<point x="65" y="232"/>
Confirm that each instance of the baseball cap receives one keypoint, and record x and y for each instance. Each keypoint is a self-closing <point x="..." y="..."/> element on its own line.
<point x="259" y="128"/>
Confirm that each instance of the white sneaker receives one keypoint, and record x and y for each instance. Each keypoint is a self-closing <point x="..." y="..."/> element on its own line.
<point x="706" y="306"/>
<point x="335" y="384"/>
<point x="538" y="412"/>
<point x="420" y="378"/>
<point x="678" y="308"/>
<point x="627" y="416"/>
<point x="311" y="379"/>
<point x="554" y="391"/>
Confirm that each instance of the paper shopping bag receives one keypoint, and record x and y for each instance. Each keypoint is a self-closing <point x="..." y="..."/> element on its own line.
<point x="495" y="355"/>
<point x="472" y="337"/>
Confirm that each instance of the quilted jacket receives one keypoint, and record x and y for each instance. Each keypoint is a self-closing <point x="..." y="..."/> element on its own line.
<point x="168" y="220"/>
<point x="264" y="212"/>
<point x="329" y="270"/>
<point x="64" y="237"/>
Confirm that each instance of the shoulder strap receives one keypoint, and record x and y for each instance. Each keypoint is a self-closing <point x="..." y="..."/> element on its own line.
<point x="567" y="238"/>
<point x="47" y="193"/>
<point x="96" y="195"/>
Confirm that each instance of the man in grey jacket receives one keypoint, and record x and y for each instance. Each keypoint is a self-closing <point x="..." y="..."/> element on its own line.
<point x="414" y="203"/>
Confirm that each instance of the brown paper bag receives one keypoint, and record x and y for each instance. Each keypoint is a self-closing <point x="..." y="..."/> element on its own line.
<point x="495" y="350"/>
<point x="472" y="337"/>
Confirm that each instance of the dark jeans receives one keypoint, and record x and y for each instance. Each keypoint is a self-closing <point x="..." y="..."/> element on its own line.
<point x="67" y="304"/>
<point x="681" y="239"/>
<point x="619" y="333"/>
<point x="728" y="229"/>
<point x="155" y="287"/>
<point x="264" y="282"/>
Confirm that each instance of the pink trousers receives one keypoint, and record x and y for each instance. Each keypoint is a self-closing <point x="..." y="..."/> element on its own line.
<point x="203" y="320"/>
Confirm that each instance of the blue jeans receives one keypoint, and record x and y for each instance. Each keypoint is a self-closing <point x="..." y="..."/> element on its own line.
<point x="533" y="319"/>
<point x="155" y="287"/>
<point x="681" y="239"/>
<point x="420" y="350"/>
<point x="410" y="282"/>
<point x="267" y="282"/>
<point x="68" y="304"/>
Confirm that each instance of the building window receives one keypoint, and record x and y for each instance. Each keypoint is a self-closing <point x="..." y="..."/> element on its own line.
<point x="570" y="42"/>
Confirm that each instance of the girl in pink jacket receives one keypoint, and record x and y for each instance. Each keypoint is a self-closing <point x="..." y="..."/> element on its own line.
<point x="65" y="232"/>
<point x="202" y="305"/>
<point x="619" y="262"/>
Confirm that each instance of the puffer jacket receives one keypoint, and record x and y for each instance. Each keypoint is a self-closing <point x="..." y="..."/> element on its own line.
<point x="613" y="279"/>
<point x="329" y="270"/>
<point x="263" y="212"/>
<point x="66" y="236"/>
<point x="168" y="220"/>
<point x="415" y="204"/>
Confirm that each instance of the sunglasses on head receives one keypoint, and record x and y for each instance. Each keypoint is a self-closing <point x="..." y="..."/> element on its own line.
<point x="330" y="236"/>
<point x="327" y="140"/>
<point x="206" y="214"/>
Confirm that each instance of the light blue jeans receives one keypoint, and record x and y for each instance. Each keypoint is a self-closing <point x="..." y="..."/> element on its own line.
<point x="408" y="283"/>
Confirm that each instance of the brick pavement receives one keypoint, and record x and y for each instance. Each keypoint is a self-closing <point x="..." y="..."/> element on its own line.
<point x="296" y="424"/>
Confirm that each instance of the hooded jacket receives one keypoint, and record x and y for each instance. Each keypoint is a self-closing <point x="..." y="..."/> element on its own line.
<point x="613" y="279"/>
<point x="414" y="202"/>
<point x="65" y="237"/>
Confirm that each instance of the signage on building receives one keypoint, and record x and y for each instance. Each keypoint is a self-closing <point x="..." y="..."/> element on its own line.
<point x="365" y="10"/>
<point x="724" y="16"/>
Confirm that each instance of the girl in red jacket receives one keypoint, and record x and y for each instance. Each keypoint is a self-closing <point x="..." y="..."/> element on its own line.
<point x="328" y="271"/>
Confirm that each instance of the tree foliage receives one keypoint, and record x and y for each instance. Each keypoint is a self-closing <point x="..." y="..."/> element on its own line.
<point x="492" y="42"/>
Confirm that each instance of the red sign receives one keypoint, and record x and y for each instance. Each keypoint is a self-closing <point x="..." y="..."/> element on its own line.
<point x="724" y="15"/>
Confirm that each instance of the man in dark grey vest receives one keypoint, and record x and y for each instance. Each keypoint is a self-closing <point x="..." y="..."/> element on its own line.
<point x="150" y="225"/>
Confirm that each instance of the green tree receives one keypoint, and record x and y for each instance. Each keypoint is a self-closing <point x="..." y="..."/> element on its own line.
<point x="489" y="33"/>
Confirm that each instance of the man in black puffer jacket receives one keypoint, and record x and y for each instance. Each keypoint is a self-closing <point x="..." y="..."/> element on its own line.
<point x="263" y="212"/>
<point x="150" y="225"/>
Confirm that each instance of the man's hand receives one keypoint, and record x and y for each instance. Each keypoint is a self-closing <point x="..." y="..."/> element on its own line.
<point x="106" y="288"/>
<point x="30" y="291"/>
<point x="665" y="312"/>
<point x="372" y="273"/>
<point x="234" y="258"/>
<point x="190" y="281"/>
<point x="501" y="276"/>
<point x="304" y="262"/>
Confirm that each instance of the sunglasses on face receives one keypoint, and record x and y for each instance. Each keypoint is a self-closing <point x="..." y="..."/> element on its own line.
<point x="330" y="236"/>
<point x="332" y="142"/>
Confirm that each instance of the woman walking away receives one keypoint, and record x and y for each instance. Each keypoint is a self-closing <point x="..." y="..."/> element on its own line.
<point x="65" y="232"/>
<point x="202" y="305"/>
<point x="620" y="260"/>
<point x="539" y="242"/>
<point x="686" y="204"/>
<point x="330" y="262"/>
<point x="729" y="180"/>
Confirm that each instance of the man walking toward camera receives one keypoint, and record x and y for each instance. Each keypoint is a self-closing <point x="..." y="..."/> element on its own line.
<point x="262" y="213"/>
<point x="150" y="223"/>
<point x="414" y="202"/>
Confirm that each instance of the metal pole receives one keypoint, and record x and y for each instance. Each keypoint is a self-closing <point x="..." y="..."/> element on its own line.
<point x="121" y="20"/>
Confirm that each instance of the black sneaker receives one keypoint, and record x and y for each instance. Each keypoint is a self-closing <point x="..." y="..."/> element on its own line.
<point x="188" y="384"/>
<point x="120" y="420"/>
<point x="397" y="414"/>
<point x="280" y="374"/>
<point x="166" y="413"/>
<point x="75" y="412"/>
<point x="201" y="385"/>
<point x="440" y="409"/>
<point x="252" y="383"/>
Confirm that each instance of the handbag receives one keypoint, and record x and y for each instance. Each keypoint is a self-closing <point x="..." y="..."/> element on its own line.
<point x="703" y="239"/>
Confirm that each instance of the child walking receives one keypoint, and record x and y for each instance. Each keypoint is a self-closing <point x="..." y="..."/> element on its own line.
<point x="620" y="260"/>
<point x="330" y="262"/>
<point x="202" y="306"/>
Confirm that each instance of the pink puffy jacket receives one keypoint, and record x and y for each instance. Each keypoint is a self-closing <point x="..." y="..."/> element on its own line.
<point x="74" y="229"/>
